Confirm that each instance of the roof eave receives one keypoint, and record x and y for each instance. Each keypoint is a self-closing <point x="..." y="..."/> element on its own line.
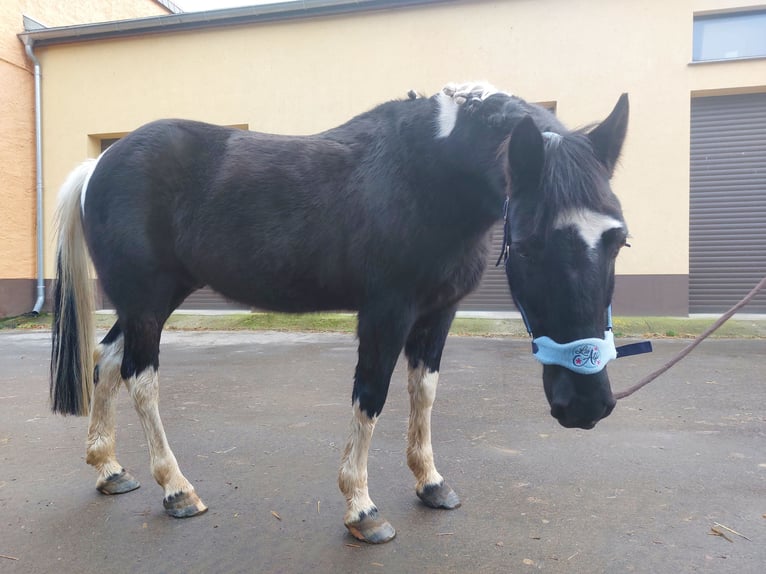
<point x="208" y="19"/>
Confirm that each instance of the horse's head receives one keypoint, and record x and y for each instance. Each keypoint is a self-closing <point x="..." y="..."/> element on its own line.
<point x="565" y="229"/>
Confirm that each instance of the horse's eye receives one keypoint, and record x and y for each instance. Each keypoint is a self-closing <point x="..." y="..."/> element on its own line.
<point x="615" y="240"/>
<point x="618" y="248"/>
<point x="524" y="250"/>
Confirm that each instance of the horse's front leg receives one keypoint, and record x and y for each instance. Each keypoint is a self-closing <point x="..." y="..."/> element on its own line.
<point x="381" y="338"/>
<point x="362" y="517"/>
<point x="424" y="350"/>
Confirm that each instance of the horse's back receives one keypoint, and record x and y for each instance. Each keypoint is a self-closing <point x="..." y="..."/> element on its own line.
<point x="289" y="223"/>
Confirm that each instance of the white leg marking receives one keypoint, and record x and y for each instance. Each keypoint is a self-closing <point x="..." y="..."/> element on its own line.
<point x="352" y="478"/>
<point x="589" y="224"/>
<point x="144" y="389"/>
<point x="421" y="384"/>
<point x="100" y="451"/>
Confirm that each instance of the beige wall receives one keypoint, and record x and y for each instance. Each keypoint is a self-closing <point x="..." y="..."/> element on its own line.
<point x="304" y="76"/>
<point x="17" y="148"/>
<point x="17" y="182"/>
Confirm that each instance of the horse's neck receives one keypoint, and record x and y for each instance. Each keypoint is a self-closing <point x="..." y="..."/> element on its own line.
<point x="404" y="136"/>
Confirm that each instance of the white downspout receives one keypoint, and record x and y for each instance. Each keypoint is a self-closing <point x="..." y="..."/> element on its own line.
<point x="39" y="175"/>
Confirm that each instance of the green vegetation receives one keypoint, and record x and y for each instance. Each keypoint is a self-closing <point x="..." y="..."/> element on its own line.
<point x="624" y="327"/>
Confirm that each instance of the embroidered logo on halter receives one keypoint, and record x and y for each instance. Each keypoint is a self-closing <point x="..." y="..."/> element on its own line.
<point x="584" y="356"/>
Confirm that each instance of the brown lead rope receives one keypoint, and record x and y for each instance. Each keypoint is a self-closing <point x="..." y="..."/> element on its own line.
<point x="725" y="317"/>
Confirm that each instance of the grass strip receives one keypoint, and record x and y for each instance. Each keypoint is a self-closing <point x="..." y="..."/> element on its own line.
<point x="624" y="327"/>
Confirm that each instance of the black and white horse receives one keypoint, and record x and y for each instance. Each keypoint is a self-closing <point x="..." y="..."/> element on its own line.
<point x="388" y="214"/>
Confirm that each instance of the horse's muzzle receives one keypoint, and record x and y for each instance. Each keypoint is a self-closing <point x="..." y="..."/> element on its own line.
<point x="575" y="415"/>
<point x="577" y="401"/>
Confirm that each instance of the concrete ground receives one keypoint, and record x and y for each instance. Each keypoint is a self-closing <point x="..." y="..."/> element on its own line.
<point x="258" y="422"/>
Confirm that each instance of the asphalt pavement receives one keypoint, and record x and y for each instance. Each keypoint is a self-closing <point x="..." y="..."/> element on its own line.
<point x="258" y="422"/>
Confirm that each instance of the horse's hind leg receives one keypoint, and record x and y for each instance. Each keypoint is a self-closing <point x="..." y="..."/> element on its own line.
<point x="112" y="478"/>
<point x="423" y="351"/>
<point x="140" y="372"/>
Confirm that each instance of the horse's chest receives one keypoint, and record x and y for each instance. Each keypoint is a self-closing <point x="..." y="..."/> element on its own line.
<point x="456" y="274"/>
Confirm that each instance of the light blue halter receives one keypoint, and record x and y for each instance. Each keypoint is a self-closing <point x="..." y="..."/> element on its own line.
<point x="584" y="356"/>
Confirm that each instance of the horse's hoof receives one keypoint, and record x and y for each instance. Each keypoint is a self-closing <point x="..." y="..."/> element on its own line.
<point x="118" y="483"/>
<point x="371" y="528"/>
<point x="439" y="496"/>
<point x="184" y="505"/>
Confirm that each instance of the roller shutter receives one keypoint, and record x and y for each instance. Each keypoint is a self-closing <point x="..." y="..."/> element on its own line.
<point x="492" y="294"/>
<point x="727" y="250"/>
<point x="207" y="299"/>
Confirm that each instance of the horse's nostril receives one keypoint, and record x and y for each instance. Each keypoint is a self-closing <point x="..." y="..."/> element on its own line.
<point x="558" y="411"/>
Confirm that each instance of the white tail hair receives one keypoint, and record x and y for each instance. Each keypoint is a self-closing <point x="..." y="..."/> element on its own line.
<point x="73" y="305"/>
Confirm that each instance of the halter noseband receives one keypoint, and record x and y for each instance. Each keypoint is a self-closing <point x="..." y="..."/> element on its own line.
<point x="584" y="356"/>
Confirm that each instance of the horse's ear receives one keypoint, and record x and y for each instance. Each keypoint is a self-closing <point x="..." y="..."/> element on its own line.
<point x="608" y="136"/>
<point x="525" y="155"/>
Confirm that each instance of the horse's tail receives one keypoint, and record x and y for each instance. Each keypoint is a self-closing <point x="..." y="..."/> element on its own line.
<point x="73" y="326"/>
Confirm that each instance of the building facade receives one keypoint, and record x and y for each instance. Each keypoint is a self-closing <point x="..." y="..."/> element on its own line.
<point x="694" y="199"/>
<point x="18" y="260"/>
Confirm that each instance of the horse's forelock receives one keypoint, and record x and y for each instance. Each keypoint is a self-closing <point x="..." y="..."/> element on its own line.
<point x="574" y="179"/>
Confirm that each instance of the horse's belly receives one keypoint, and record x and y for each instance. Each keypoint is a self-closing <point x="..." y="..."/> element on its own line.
<point x="290" y="294"/>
